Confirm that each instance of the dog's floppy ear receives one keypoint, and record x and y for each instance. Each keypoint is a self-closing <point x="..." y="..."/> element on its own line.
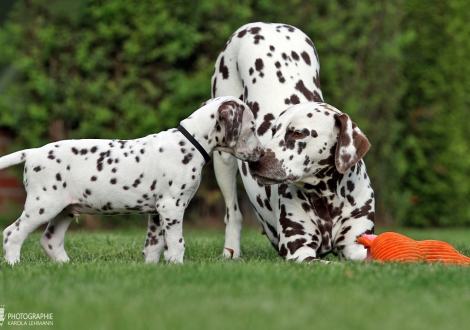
<point x="352" y="143"/>
<point x="231" y="113"/>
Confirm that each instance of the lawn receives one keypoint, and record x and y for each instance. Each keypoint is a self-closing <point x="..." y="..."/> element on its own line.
<point x="107" y="286"/>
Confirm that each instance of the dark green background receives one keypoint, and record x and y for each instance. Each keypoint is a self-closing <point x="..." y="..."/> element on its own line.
<point x="125" y="69"/>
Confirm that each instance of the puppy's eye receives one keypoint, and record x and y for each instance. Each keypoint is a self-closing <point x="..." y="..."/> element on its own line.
<point x="297" y="135"/>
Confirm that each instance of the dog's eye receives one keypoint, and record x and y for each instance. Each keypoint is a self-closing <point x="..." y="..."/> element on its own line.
<point x="297" y="135"/>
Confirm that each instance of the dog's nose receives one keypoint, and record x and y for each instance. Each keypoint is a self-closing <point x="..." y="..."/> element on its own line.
<point x="253" y="164"/>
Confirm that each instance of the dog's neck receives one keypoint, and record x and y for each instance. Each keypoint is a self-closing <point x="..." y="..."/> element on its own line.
<point x="327" y="181"/>
<point x="324" y="180"/>
<point x="203" y="126"/>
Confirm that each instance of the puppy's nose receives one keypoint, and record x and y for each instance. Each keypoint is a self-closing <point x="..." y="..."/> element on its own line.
<point x="257" y="154"/>
<point x="255" y="164"/>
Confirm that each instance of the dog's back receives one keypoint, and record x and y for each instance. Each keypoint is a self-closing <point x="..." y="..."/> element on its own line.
<point x="270" y="67"/>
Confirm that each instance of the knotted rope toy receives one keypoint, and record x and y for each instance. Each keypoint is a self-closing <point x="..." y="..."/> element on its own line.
<point x="395" y="247"/>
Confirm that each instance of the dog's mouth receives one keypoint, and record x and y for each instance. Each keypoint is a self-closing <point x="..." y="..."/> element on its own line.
<point x="267" y="181"/>
<point x="264" y="180"/>
<point x="247" y="156"/>
<point x="268" y="170"/>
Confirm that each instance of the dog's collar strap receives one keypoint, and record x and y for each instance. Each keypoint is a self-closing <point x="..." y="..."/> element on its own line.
<point x="194" y="143"/>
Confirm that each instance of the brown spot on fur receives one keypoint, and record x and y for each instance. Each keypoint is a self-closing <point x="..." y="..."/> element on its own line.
<point x="223" y="69"/>
<point x="295" y="245"/>
<point x="306" y="58"/>
<point x="266" y="124"/>
<point x="309" y="95"/>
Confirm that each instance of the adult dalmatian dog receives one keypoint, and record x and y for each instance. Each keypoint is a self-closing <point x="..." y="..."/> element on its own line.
<point x="271" y="67"/>
<point x="315" y="156"/>
<point x="157" y="175"/>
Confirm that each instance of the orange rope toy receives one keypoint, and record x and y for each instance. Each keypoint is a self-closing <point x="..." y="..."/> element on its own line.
<point x="395" y="247"/>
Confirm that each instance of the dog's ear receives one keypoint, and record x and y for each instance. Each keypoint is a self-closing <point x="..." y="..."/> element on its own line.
<point x="352" y="143"/>
<point x="231" y="113"/>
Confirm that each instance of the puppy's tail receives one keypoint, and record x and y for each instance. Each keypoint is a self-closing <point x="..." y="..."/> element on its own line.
<point x="13" y="159"/>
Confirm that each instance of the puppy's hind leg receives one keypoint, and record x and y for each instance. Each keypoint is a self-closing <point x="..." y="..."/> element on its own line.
<point x="13" y="240"/>
<point x="32" y="217"/>
<point x="52" y="241"/>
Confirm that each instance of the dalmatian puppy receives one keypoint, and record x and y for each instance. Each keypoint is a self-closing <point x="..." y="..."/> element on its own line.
<point x="315" y="159"/>
<point x="156" y="175"/>
<point x="270" y="67"/>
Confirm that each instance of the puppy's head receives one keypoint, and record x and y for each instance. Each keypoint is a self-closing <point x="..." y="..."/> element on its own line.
<point x="307" y="138"/>
<point x="237" y="123"/>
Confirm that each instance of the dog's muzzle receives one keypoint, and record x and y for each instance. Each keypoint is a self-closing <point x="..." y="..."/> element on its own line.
<point x="267" y="169"/>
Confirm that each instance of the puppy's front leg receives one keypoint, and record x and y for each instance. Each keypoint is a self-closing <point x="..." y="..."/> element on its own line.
<point x="300" y="237"/>
<point x="172" y="223"/>
<point x="155" y="241"/>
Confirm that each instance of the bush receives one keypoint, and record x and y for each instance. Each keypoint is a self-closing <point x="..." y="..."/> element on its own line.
<point x="433" y="163"/>
<point x="119" y="69"/>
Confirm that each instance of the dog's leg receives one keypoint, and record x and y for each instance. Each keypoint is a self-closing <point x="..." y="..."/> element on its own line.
<point x="225" y="165"/>
<point x="172" y="223"/>
<point x="299" y="235"/>
<point x="154" y="242"/>
<point x="353" y="251"/>
<point x="345" y="243"/>
<point x="31" y="218"/>
<point x="52" y="241"/>
<point x="13" y="240"/>
<point x="226" y="169"/>
<point x="348" y="248"/>
<point x="325" y="229"/>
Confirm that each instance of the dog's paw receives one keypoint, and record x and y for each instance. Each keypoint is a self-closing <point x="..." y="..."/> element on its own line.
<point x="230" y="253"/>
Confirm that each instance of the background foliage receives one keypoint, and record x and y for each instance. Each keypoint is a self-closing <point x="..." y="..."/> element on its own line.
<point x="120" y="69"/>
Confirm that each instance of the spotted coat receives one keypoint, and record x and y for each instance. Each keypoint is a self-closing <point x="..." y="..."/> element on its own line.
<point x="156" y="175"/>
<point x="270" y="67"/>
<point x="315" y="160"/>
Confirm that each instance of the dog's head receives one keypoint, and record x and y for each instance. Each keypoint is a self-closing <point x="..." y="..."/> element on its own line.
<point x="235" y="130"/>
<point x="307" y="138"/>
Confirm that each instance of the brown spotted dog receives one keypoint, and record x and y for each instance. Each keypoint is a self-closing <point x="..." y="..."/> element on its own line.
<point x="313" y="167"/>
<point x="270" y="67"/>
<point x="156" y="175"/>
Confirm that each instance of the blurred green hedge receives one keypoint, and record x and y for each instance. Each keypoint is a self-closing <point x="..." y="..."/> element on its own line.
<point x="122" y="69"/>
<point x="433" y="162"/>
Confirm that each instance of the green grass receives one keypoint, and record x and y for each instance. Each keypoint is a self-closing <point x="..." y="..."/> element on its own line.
<point x="107" y="286"/>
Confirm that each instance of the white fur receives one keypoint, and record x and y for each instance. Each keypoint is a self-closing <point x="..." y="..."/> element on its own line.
<point x="270" y="67"/>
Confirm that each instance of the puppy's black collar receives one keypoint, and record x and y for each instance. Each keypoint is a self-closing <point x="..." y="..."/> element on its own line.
<point x="194" y="143"/>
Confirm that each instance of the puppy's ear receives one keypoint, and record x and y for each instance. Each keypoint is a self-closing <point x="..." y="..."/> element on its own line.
<point x="352" y="143"/>
<point x="231" y="114"/>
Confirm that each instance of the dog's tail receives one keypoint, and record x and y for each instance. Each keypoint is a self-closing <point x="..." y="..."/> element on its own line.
<point x="13" y="159"/>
